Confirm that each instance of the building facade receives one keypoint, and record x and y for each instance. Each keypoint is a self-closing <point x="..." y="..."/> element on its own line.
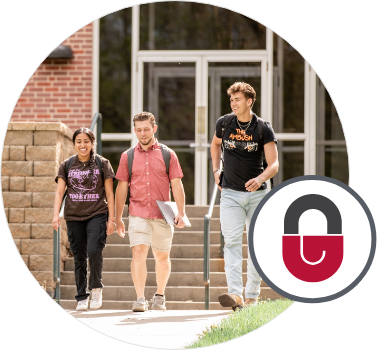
<point x="61" y="88"/>
<point x="176" y="60"/>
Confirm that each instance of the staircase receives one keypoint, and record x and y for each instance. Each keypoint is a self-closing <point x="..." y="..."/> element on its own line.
<point x="185" y="288"/>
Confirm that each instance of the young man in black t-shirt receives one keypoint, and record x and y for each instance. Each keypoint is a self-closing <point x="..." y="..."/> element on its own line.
<point x="243" y="186"/>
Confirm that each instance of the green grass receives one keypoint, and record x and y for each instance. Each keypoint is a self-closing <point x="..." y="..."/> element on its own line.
<point x="241" y="322"/>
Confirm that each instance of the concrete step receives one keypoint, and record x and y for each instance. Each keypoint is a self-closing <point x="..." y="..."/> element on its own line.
<point x="197" y="224"/>
<point x="192" y="211"/>
<point x="180" y="237"/>
<point x="195" y="279"/>
<point x="127" y="305"/>
<point x="196" y="211"/>
<point x="177" y="251"/>
<point x="181" y="293"/>
<point x="177" y="265"/>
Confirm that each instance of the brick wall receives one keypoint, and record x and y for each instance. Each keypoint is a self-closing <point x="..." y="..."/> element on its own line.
<point x="61" y="89"/>
<point x="31" y="157"/>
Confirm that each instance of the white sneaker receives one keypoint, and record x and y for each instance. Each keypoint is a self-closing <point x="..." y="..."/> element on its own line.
<point x="140" y="305"/>
<point x="96" y="301"/>
<point x="82" y="305"/>
<point x="158" y="303"/>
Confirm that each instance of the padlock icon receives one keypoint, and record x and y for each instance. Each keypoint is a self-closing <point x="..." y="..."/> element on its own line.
<point x="312" y="258"/>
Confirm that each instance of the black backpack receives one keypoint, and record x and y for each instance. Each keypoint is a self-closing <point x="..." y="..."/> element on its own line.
<point x="68" y="166"/>
<point x="228" y="118"/>
<point x="130" y="159"/>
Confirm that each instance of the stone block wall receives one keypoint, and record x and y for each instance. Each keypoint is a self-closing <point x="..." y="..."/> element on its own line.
<point x="31" y="157"/>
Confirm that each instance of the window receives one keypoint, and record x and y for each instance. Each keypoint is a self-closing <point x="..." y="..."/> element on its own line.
<point x="192" y="26"/>
<point x="332" y="158"/>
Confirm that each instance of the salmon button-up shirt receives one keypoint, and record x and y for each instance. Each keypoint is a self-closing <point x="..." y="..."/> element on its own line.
<point x="149" y="181"/>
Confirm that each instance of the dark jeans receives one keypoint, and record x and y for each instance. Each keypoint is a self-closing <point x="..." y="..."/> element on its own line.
<point x="87" y="240"/>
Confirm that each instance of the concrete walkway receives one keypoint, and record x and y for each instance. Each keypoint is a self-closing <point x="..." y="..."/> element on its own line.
<point x="173" y="329"/>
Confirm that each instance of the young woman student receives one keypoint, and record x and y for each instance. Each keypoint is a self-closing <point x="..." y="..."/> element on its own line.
<point x="89" y="212"/>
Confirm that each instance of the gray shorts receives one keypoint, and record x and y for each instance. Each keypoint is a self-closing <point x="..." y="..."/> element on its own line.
<point x="151" y="232"/>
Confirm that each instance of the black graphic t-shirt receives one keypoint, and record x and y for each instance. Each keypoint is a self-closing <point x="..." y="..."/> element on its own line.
<point x="84" y="201"/>
<point x="243" y="158"/>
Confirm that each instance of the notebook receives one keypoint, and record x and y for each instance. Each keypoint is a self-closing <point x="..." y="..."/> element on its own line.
<point x="169" y="210"/>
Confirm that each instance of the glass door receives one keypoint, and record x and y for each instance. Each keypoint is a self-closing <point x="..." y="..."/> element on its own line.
<point x="186" y="91"/>
<point x="169" y="93"/>
<point x="169" y="85"/>
<point x="221" y="75"/>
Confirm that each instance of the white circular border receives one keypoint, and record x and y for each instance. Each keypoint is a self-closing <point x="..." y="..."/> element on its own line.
<point x="340" y="199"/>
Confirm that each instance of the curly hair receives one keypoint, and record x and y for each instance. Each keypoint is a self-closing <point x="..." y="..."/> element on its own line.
<point x="245" y="88"/>
<point x="144" y="116"/>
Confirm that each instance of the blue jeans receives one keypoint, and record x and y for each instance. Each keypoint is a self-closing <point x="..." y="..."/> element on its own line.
<point x="236" y="209"/>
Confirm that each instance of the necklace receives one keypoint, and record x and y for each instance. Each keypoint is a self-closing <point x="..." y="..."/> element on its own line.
<point x="84" y="162"/>
<point x="243" y="131"/>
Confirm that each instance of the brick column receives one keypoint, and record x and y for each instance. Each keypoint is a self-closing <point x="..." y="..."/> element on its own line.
<point x="31" y="157"/>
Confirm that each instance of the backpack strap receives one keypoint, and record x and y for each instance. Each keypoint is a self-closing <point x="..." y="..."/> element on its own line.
<point x="166" y="155"/>
<point x="228" y="118"/>
<point x="226" y="122"/>
<point x="68" y="164"/>
<point x="100" y="166"/>
<point x="260" y="130"/>
<point x="130" y="160"/>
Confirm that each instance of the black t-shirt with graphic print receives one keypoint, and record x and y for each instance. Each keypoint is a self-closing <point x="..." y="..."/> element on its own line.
<point x="243" y="158"/>
<point x="84" y="201"/>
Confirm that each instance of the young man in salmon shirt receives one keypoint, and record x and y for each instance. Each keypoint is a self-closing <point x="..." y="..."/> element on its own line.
<point x="149" y="183"/>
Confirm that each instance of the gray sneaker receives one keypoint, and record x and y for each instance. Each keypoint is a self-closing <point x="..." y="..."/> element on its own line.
<point x="140" y="305"/>
<point x="158" y="303"/>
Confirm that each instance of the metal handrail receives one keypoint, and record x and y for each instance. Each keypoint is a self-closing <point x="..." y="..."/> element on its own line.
<point x="97" y="121"/>
<point x="56" y="272"/>
<point x="57" y="264"/>
<point x="206" y="248"/>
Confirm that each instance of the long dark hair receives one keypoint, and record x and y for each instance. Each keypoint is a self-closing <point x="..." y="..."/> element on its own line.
<point x="92" y="160"/>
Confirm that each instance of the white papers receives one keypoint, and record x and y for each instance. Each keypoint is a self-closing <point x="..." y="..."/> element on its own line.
<point x="169" y="211"/>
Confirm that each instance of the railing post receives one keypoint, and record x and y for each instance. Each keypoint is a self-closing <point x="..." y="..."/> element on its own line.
<point x="97" y="120"/>
<point x="206" y="260"/>
<point x="206" y="248"/>
<point x="99" y="133"/>
<point x="56" y="274"/>
<point x="221" y="244"/>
